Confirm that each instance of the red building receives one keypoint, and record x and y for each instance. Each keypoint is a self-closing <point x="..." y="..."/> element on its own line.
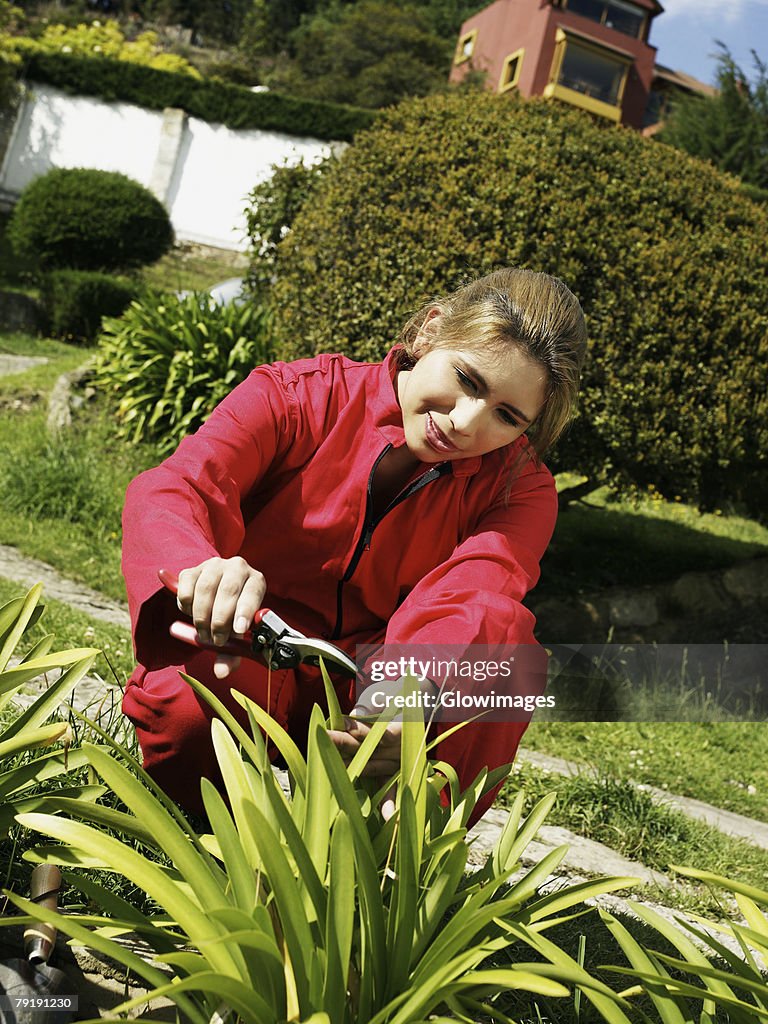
<point x="593" y="54"/>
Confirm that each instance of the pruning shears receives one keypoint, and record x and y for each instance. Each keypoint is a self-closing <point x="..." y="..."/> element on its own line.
<point x="270" y="638"/>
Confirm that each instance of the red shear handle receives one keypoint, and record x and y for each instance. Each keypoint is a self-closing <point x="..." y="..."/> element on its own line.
<point x="170" y="580"/>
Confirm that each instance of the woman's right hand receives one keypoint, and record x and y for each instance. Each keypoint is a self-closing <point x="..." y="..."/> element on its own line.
<point x="222" y="596"/>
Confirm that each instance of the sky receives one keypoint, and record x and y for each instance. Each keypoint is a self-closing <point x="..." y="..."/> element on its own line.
<point x="685" y="34"/>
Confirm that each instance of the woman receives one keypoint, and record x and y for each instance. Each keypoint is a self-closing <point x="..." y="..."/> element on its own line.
<point x="402" y="502"/>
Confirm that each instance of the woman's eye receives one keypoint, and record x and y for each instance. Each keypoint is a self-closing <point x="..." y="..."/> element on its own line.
<point x="508" y="418"/>
<point x="464" y="380"/>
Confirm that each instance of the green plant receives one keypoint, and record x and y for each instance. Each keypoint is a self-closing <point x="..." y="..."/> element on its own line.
<point x="731" y="979"/>
<point x="168" y="361"/>
<point x="311" y="906"/>
<point x="24" y="734"/>
<point x="77" y="300"/>
<point x="729" y="128"/>
<point x="218" y="102"/>
<point x="60" y="477"/>
<point x="90" y="220"/>
<point x="372" y="53"/>
<point x="9" y="61"/>
<point x="272" y="208"/>
<point x="104" y="40"/>
<point x="665" y="253"/>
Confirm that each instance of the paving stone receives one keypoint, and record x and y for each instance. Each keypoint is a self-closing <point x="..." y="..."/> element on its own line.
<point x="18" y="364"/>
<point x="21" y="569"/>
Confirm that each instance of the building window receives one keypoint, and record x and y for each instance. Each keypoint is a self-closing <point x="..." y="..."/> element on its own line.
<point x="510" y="70"/>
<point x="466" y="47"/>
<point x="588" y="76"/>
<point x="616" y="14"/>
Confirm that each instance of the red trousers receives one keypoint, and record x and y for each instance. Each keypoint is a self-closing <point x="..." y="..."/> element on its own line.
<point x="173" y="724"/>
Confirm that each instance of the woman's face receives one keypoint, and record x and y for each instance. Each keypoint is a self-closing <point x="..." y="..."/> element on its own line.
<point x="458" y="403"/>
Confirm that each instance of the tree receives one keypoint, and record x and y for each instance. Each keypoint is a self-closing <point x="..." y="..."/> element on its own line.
<point x="9" y="60"/>
<point x="729" y="129"/>
<point x="370" y="54"/>
<point x="666" y="254"/>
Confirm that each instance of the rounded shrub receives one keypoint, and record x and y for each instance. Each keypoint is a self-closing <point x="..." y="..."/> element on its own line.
<point x="666" y="254"/>
<point x="77" y="300"/>
<point x="168" y="361"/>
<point x="89" y="220"/>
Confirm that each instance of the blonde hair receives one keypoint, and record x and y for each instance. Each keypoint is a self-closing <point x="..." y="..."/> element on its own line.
<point x="534" y="311"/>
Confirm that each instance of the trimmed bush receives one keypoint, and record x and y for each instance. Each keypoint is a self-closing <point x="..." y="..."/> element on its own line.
<point x="667" y="255"/>
<point x="169" y="361"/>
<point x="77" y="300"/>
<point x="89" y="220"/>
<point x="219" y="102"/>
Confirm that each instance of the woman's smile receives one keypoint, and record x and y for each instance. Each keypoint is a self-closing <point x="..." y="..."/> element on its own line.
<point x="463" y="403"/>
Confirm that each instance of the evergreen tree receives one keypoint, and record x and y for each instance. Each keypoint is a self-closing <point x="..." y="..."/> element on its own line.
<point x="729" y="129"/>
<point x="371" y="54"/>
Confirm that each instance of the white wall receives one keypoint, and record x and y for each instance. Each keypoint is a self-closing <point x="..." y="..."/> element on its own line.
<point x="202" y="172"/>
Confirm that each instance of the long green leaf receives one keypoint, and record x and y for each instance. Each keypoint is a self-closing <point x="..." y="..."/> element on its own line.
<point x="239" y="792"/>
<point x="608" y="1003"/>
<point x="572" y="895"/>
<point x="142" y="872"/>
<point x="373" y="947"/>
<point x="239" y="870"/>
<point x="290" y="752"/>
<point x="321" y="807"/>
<point x="14" y="619"/>
<point x="55" y="693"/>
<point x="730" y="884"/>
<point x="404" y="896"/>
<point x="197" y="867"/>
<point x="33" y="738"/>
<point x="68" y="924"/>
<point x="310" y="884"/>
<point x="299" y="938"/>
<point x="438" y="895"/>
<point x="670" y="1010"/>
<point x="14" y="677"/>
<point x="249" y="1005"/>
<point x="340" y="916"/>
<point x="679" y="940"/>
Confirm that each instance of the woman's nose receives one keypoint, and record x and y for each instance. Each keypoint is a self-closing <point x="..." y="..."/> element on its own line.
<point x="466" y="415"/>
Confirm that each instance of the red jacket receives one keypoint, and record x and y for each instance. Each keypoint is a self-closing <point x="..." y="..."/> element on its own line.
<point x="279" y="475"/>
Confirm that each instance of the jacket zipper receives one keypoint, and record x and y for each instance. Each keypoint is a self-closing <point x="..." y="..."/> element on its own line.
<point x="370" y="525"/>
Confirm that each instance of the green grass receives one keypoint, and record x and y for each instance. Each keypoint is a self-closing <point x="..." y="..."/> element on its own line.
<point x="722" y="763"/>
<point x="607" y="542"/>
<point x="609" y="809"/>
<point x="74" y="628"/>
<point x="61" y="498"/>
<point x="185" y="267"/>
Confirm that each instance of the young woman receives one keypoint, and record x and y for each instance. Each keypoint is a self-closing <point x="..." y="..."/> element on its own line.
<point x="402" y="502"/>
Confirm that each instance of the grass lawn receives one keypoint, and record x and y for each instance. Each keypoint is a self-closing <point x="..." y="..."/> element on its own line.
<point x="602" y="804"/>
<point x="722" y="763"/>
<point x="605" y="542"/>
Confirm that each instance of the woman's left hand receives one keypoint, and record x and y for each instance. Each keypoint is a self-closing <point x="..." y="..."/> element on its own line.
<point x="385" y="760"/>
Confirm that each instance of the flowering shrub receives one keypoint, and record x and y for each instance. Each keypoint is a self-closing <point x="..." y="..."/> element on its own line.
<point x="106" y="39"/>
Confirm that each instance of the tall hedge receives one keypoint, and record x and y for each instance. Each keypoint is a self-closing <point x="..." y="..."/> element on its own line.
<point x="668" y="257"/>
<point x="219" y="102"/>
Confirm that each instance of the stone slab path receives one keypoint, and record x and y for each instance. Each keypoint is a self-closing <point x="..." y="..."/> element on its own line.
<point x="21" y="569"/>
<point x="18" y="364"/>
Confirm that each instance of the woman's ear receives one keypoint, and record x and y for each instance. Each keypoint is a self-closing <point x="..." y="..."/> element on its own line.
<point x="428" y="331"/>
